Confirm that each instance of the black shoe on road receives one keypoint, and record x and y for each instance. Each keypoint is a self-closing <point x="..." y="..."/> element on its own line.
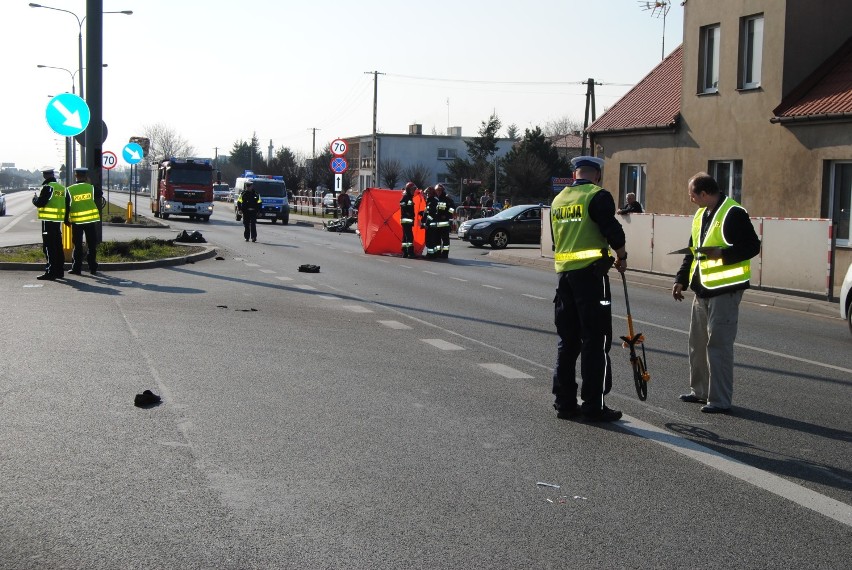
<point x="604" y="415"/>
<point x="46" y="277"/>
<point x="76" y="272"/>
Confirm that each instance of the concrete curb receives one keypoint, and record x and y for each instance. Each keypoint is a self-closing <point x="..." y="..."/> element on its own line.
<point x="206" y="253"/>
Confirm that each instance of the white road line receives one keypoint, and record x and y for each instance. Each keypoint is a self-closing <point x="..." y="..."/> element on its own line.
<point x="282" y="278"/>
<point x="267" y="271"/>
<point x="430" y="272"/>
<point x="534" y="297"/>
<point x="504" y="371"/>
<point x="356" y="308"/>
<point x="442" y="344"/>
<point x="395" y="325"/>
<point x="252" y="265"/>
<point x="9" y="226"/>
<point x="305" y="287"/>
<point x="492" y="287"/>
<point x="803" y="496"/>
<point x="754" y="348"/>
<point x="329" y="297"/>
<point x="459" y="279"/>
<point x="405" y="266"/>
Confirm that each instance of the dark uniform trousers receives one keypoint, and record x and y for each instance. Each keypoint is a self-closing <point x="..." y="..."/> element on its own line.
<point x="51" y="244"/>
<point x="583" y="317"/>
<point x="250" y="224"/>
<point x="408" y="237"/>
<point x="90" y="231"/>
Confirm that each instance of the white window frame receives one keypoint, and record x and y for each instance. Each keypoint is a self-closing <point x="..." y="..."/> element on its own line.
<point x="447" y="154"/>
<point x="708" y="68"/>
<point x="841" y="198"/>
<point x="751" y="51"/>
<point x="633" y="179"/>
<point x="729" y="177"/>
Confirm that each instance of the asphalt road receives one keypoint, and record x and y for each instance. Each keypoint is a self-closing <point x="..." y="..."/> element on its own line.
<point x="390" y="413"/>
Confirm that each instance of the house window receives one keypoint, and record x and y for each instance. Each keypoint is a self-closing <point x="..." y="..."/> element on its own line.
<point x="708" y="68"/>
<point x="632" y="180"/>
<point x="729" y="176"/>
<point x="447" y="154"/>
<point x="751" y="51"/>
<point x="840" y="200"/>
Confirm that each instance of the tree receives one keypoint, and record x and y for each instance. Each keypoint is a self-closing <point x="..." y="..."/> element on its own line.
<point x="481" y="148"/>
<point x="512" y="132"/>
<point x="417" y="173"/>
<point x="247" y="156"/>
<point x="530" y="165"/>
<point x="390" y="172"/>
<point x="562" y="126"/>
<point x="165" y="143"/>
<point x="285" y="163"/>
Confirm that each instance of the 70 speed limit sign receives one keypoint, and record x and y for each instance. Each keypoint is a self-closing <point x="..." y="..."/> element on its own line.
<point x="108" y="160"/>
<point x="338" y="147"/>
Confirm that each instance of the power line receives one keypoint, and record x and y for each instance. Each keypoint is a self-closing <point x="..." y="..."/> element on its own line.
<point x="505" y="82"/>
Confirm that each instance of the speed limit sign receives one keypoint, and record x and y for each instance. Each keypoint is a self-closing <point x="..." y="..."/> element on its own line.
<point x="338" y="147"/>
<point x="108" y="160"/>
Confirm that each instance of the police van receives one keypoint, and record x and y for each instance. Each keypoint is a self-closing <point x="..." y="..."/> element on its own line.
<point x="273" y="194"/>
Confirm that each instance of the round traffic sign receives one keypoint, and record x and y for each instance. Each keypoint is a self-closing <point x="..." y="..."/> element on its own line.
<point x="132" y="153"/>
<point x="338" y="147"/>
<point x="109" y="160"/>
<point x="339" y="165"/>
<point x="67" y="114"/>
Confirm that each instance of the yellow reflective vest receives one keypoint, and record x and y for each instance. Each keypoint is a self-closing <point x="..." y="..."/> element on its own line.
<point x="577" y="240"/>
<point x="84" y="209"/>
<point x="54" y="210"/>
<point x="713" y="273"/>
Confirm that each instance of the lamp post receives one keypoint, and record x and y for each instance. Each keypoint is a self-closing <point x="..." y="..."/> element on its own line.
<point x="79" y="50"/>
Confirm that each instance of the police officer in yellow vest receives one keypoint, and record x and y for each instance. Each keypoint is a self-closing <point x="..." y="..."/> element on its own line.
<point x="52" y="203"/>
<point x="83" y="215"/>
<point x="718" y="270"/>
<point x="584" y="228"/>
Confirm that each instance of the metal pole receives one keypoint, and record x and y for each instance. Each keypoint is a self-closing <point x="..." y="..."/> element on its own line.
<point x="94" y="134"/>
<point x="375" y="113"/>
<point x="80" y="72"/>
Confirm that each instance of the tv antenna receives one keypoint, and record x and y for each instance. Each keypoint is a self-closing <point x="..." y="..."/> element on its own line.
<point x="658" y="9"/>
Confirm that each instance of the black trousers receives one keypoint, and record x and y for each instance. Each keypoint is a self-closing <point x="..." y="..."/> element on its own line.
<point x="51" y="244"/>
<point x="250" y="225"/>
<point x="433" y="243"/>
<point x="408" y="239"/>
<point x="583" y="318"/>
<point x="90" y="232"/>
<point x="444" y="241"/>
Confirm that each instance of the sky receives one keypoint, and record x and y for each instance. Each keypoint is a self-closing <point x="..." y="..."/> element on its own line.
<point x="219" y="71"/>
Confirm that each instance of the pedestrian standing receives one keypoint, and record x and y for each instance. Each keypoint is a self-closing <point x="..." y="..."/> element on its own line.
<point x="406" y="219"/>
<point x="344" y="202"/>
<point x="249" y="204"/>
<point x="52" y="203"/>
<point x="84" y="215"/>
<point x="428" y="221"/>
<point x="584" y="229"/>
<point x="718" y="270"/>
<point x="445" y="208"/>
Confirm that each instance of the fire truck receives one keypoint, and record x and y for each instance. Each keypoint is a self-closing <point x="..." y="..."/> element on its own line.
<point x="182" y="187"/>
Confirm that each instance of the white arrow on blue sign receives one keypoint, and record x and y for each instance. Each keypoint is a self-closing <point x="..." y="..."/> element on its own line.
<point x="132" y="153"/>
<point x="68" y="115"/>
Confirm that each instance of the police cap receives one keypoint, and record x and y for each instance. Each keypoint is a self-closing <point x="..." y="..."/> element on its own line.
<point x="81" y="170"/>
<point x="592" y="161"/>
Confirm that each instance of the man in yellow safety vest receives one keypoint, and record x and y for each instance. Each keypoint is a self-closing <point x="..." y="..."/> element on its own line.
<point x="718" y="270"/>
<point x="84" y="214"/>
<point x="52" y="203"/>
<point x="584" y="228"/>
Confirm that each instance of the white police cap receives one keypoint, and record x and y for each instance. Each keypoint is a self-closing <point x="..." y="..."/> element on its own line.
<point x="593" y="161"/>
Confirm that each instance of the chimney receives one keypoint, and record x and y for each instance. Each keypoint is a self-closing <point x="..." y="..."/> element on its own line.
<point x="415" y="129"/>
<point x="269" y="160"/>
<point x="454" y="131"/>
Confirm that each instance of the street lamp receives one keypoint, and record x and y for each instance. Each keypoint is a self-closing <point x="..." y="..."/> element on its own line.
<point x="79" y="40"/>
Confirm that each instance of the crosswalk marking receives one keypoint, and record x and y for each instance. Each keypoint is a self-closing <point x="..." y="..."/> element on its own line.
<point x="442" y="344"/>
<point x="504" y="371"/>
<point x="395" y="325"/>
<point x="356" y="308"/>
<point x="283" y="278"/>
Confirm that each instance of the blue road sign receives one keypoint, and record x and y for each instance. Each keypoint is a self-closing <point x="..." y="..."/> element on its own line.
<point x="132" y="153"/>
<point x="339" y="165"/>
<point x="68" y="115"/>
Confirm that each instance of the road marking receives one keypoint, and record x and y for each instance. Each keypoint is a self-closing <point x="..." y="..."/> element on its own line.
<point x="754" y="348"/>
<point x="504" y="371"/>
<point x="405" y="266"/>
<point x="356" y="308"/>
<point x="395" y="325"/>
<point x="442" y="344"/>
<point x="776" y="485"/>
<point x="9" y="226"/>
<point x="282" y="278"/>
<point x="267" y="271"/>
<point x="430" y="272"/>
<point x="492" y="287"/>
<point x="459" y="279"/>
<point x="33" y="285"/>
<point x="534" y="297"/>
<point x="329" y="297"/>
<point x="305" y="287"/>
<point x="252" y="265"/>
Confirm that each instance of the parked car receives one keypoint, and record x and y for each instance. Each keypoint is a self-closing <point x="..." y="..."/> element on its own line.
<point x="329" y="203"/>
<point x="2" y="204"/>
<point x="846" y="298"/>
<point x="518" y="224"/>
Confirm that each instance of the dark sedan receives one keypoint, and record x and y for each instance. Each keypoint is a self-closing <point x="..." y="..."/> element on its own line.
<point x="518" y="224"/>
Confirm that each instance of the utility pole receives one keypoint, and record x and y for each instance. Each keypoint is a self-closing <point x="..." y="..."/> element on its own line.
<point x="314" y="142"/>
<point x="216" y="157"/>
<point x="590" y="102"/>
<point x="375" y="158"/>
